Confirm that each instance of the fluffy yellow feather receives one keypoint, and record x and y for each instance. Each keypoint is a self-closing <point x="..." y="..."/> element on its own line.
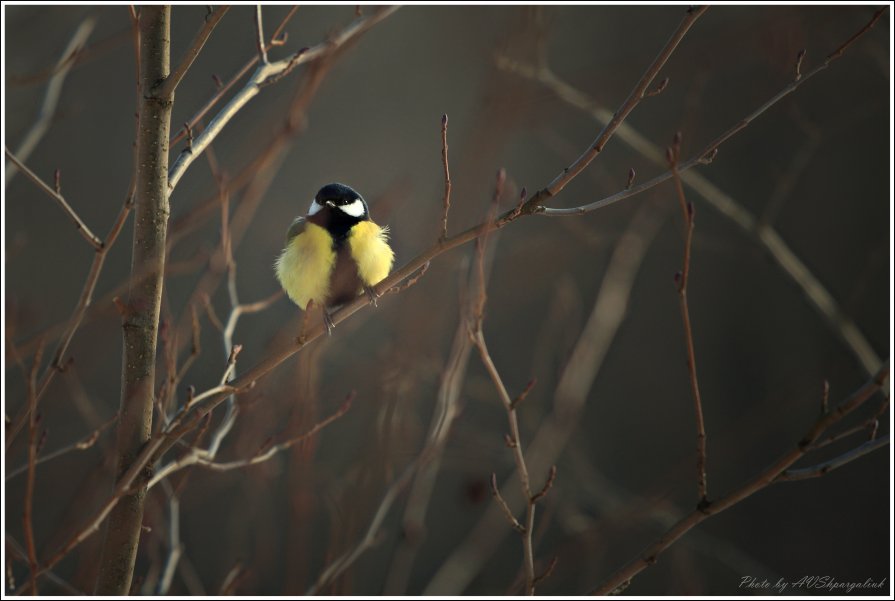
<point x="334" y="253"/>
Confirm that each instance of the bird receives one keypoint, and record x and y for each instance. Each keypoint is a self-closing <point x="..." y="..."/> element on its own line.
<point x="334" y="253"/>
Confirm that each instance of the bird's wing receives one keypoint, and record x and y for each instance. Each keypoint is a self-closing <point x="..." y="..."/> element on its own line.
<point x="297" y="227"/>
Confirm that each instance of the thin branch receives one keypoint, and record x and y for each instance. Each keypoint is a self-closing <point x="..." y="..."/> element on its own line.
<point x="27" y="518"/>
<point x="411" y="281"/>
<point x="822" y="469"/>
<point x="622" y="577"/>
<point x="51" y="99"/>
<point x="223" y="89"/>
<point x="447" y="177"/>
<point x="264" y="75"/>
<point x="50" y="575"/>
<point x="278" y="448"/>
<point x="259" y="24"/>
<point x="175" y="547"/>
<point x="85" y="231"/>
<point x="495" y="492"/>
<point x="166" y="87"/>
<point x="526" y="529"/>
<point x="634" y="98"/>
<point x="689" y="213"/>
<point x="81" y="445"/>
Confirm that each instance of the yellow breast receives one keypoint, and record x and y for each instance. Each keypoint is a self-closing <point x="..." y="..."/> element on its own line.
<point x="305" y="266"/>
<point x="370" y="250"/>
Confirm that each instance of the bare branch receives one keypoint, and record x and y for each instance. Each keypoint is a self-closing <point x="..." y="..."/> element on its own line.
<point x="689" y="214"/>
<point x="81" y="445"/>
<point x="264" y="74"/>
<point x="447" y="177"/>
<point x="265" y="455"/>
<point x="551" y="477"/>
<point x="85" y="231"/>
<point x="822" y="469"/>
<point x="495" y="492"/>
<point x="165" y="88"/>
<point x="634" y="98"/>
<point x="224" y="88"/>
<point x="411" y="281"/>
<point x="51" y="98"/>
<point x="259" y="24"/>
<point x="27" y="517"/>
<point x="175" y="547"/>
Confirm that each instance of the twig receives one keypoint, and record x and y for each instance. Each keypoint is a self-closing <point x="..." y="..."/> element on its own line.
<point x="546" y="574"/>
<point x="495" y="492"/>
<point x="527" y="528"/>
<point x="683" y="278"/>
<point x="175" y="547"/>
<point x="759" y="482"/>
<point x="822" y="469"/>
<point x="81" y="445"/>
<point x="634" y="98"/>
<point x="264" y="74"/>
<point x="411" y="281"/>
<point x="51" y="99"/>
<point x="265" y="455"/>
<point x="27" y="518"/>
<point x="447" y="177"/>
<point x="259" y="24"/>
<point x="167" y="86"/>
<point x="85" y="231"/>
<point x="50" y="575"/>
<point x="224" y="88"/>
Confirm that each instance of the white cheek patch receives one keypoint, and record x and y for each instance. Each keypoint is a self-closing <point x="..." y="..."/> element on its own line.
<point x="355" y="209"/>
<point x="314" y="208"/>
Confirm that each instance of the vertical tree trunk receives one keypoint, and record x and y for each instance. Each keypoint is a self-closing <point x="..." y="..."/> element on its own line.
<point x="140" y="321"/>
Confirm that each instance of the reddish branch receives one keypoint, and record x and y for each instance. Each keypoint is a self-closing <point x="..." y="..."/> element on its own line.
<point x="682" y="278"/>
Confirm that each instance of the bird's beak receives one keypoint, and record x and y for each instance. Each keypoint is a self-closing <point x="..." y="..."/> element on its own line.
<point x="330" y="204"/>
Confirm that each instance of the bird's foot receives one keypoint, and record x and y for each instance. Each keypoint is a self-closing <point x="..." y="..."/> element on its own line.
<point x="371" y="294"/>
<point x="328" y="322"/>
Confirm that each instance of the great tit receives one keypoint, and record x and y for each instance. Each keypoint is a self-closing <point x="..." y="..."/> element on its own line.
<point x="334" y="253"/>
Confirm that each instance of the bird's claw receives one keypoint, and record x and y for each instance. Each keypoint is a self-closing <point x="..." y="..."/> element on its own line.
<point x="328" y="322"/>
<point x="371" y="294"/>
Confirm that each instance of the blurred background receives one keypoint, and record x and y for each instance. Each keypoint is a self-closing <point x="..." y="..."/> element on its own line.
<point x="618" y="423"/>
